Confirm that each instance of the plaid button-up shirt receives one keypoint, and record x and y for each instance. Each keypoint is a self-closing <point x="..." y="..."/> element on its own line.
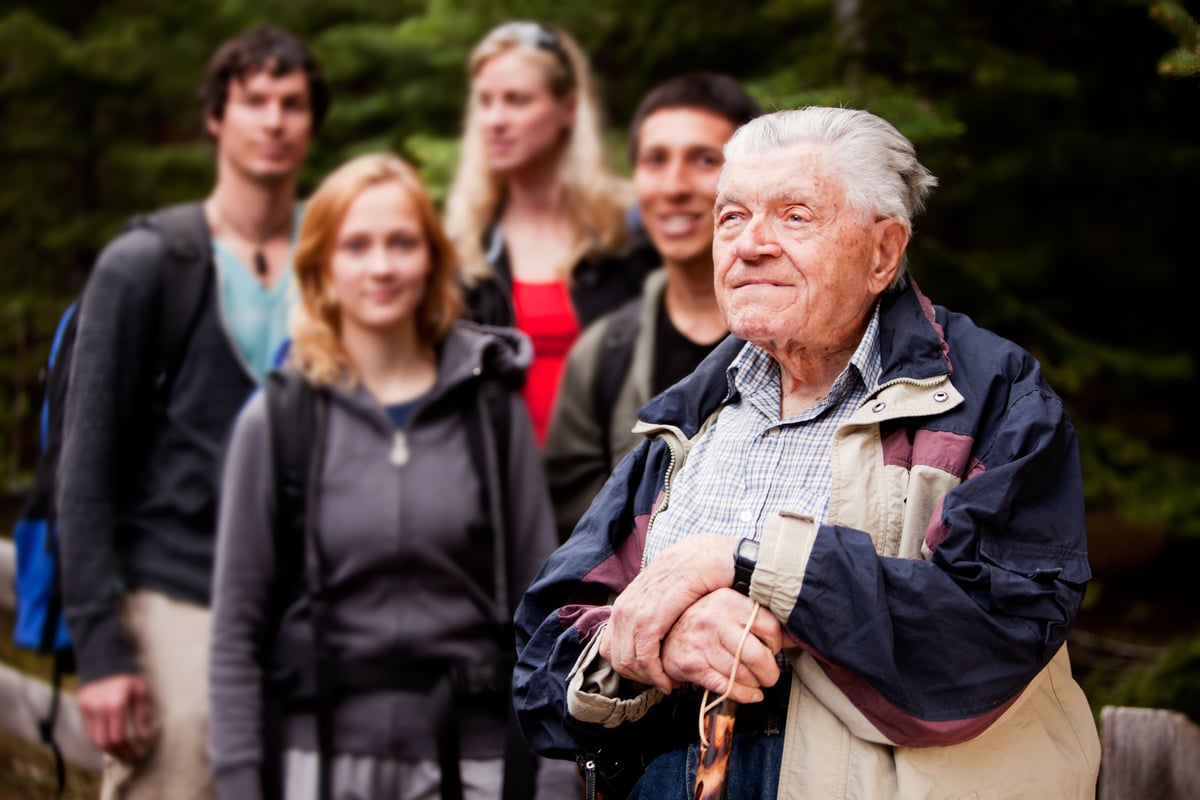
<point x="750" y="463"/>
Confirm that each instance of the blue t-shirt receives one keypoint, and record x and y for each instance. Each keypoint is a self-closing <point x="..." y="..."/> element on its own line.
<point x="256" y="317"/>
<point x="400" y="412"/>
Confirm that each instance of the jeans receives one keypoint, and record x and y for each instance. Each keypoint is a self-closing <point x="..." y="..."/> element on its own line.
<point x="753" y="769"/>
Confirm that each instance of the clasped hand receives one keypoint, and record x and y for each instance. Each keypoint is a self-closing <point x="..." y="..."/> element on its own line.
<point x="679" y="621"/>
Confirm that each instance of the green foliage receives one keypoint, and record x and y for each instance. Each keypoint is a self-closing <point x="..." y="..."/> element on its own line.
<point x="1184" y="60"/>
<point x="1125" y="474"/>
<point x="1065" y="162"/>
<point x="1171" y="682"/>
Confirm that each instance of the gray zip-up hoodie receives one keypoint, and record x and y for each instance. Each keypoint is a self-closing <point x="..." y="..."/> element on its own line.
<point x="396" y="509"/>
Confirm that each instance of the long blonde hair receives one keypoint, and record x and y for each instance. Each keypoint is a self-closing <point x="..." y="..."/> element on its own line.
<point x="595" y="199"/>
<point x="317" y="349"/>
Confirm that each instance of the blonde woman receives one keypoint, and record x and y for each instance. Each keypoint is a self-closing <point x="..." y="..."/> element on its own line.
<point x="361" y="643"/>
<point x="540" y="221"/>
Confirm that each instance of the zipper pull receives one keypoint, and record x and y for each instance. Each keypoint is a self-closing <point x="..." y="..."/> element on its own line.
<point x="589" y="779"/>
<point x="399" y="454"/>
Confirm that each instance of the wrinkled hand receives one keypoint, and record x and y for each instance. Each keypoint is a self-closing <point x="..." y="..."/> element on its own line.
<point x="657" y="597"/>
<point x="116" y="715"/>
<point x="700" y="648"/>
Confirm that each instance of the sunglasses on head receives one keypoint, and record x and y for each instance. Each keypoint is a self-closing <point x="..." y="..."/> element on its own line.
<point x="543" y="37"/>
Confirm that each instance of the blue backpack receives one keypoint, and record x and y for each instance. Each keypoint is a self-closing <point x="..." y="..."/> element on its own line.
<point x="40" y="625"/>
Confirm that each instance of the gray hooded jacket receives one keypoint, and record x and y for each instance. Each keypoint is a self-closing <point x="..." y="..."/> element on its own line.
<point x="396" y="511"/>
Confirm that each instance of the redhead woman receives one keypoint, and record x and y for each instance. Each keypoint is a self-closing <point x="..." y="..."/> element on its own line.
<point x="363" y="648"/>
<point x="540" y="221"/>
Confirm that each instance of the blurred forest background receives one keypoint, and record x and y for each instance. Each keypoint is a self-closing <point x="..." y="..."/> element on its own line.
<point x="1066" y="135"/>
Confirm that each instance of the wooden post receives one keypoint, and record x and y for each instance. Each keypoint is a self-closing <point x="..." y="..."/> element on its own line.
<point x="1148" y="752"/>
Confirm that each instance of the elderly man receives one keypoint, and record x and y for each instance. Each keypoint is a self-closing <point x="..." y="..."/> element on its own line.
<point x="894" y="493"/>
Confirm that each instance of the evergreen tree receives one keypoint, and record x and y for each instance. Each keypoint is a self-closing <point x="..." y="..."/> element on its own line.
<point x="1064" y="158"/>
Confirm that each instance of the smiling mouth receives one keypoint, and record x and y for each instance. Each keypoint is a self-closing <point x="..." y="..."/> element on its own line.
<point x="678" y="224"/>
<point x="756" y="282"/>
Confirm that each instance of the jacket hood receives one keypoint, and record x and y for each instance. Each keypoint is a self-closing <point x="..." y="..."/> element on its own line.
<point x="473" y="350"/>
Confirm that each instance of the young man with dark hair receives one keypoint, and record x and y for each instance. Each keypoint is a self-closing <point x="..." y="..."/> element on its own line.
<point x="142" y="444"/>
<point x="626" y="358"/>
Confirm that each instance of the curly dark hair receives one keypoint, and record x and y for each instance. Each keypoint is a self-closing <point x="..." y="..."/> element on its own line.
<point x="264" y="48"/>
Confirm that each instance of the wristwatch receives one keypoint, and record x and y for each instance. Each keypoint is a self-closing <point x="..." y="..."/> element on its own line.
<point x="745" y="558"/>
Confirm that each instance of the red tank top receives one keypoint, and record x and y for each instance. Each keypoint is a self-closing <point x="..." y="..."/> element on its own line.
<point x="545" y="314"/>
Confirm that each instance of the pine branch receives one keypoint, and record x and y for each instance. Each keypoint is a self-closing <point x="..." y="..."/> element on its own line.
<point x="1184" y="61"/>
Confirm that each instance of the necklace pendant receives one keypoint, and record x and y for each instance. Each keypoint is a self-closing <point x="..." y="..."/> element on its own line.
<point x="260" y="264"/>
<point x="399" y="454"/>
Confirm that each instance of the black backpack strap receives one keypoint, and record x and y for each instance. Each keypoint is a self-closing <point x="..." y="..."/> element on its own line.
<point x="491" y="421"/>
<point x="319" y="603"/>
<point x="292" y="414"/>
<point x="295" y="412"/>
<point x="186" y="280"/>
<point x="46" y="726"/>
<point x="487" y="423"/>
<point x="612" y="365"/>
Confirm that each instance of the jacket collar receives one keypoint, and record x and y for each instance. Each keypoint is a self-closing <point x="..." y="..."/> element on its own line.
<point x="911" y="346"/>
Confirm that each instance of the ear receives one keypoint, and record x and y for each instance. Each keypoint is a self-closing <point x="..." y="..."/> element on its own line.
<point x="891" y="240"/>
<point x="212" y="125"/>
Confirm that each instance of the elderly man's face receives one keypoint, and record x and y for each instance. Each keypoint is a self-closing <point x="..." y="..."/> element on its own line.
<point x="797" y="269"/>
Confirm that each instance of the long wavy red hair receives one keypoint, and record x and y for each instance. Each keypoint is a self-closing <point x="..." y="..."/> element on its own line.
<point x="317" y="349"/>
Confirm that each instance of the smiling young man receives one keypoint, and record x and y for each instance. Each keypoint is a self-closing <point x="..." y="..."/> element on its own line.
<point x="626" y="358"/>
<point x="140" y="459"/>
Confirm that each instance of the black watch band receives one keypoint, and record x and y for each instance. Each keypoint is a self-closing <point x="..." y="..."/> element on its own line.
<point x="745" y="558"/>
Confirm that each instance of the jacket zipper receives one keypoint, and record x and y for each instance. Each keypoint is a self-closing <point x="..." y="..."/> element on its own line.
<point x="589" y="779"/>
<point x="672" y="438"/>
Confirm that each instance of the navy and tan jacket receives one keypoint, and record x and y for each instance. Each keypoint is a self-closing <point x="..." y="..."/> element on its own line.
<point x="926" y="617"/>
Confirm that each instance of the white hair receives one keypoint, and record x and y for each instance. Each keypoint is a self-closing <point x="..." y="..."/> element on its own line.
<point x="876" y="164"/>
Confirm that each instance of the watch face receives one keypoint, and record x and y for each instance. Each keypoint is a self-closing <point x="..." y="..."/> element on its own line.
<point x="747" y="550"/>
<point x="745" y="558"/>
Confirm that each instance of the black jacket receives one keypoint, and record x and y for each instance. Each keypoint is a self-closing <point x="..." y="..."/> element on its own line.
<point x="138" y="490"/>
<point x="598" y="284"/>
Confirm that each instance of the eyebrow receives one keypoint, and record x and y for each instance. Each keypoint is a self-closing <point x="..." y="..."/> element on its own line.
<point x="725" y="200"/>
<point x="686" y="147"/>
<point x="782" y="197"/>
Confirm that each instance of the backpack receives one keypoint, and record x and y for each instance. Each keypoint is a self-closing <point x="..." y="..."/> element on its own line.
<point x="297" y="413"/>
<point x="612" y="365"/>
<point x="40" y="625"/>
